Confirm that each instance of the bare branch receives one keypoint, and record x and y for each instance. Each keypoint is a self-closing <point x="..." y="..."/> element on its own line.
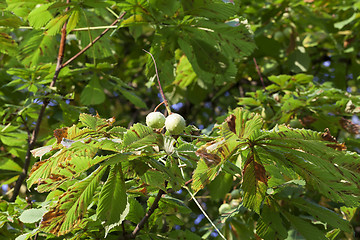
<point x="147" y="215"/>
<point x="259" y="73"/>
<point x="94" y="41"/>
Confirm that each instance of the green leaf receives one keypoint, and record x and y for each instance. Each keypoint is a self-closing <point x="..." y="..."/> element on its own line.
<point x="8" y="164"/>
<point x="37" y="48"/>
<point x="73" y="168"/>
<point x="136" y="212"/>
<point x="299" y="60"/>
<point x="92" y="122"/>
<point x="254" y="183"/>
<point x="203" y="175"/>
<point x="15" y="138"/>
<point x="183" y="235"/>
<point x="168" y="8"/>
<point x="41" y="171"/>
<point x="220" y="186"/>
<point x="323" y="214"/>
<point x="32" y="215"/>
<point x="113" y="205"/>
<point x="155" y="179"/>
<point x="103" y="47"/>
<point x="185" y="74"/>
<point x="306" y="229"/>
<point x="40" y="16"/>
<point x="22" y="8"/>
<point x="73" y="20"/>
<point x="68" y="212"/>
<point x="28" y="235"/>
<point x="241" y="123"/>
<point x="313" y="156"/>
<point x="163" y="53"/>
<point x="8" y="45"/>
<point x="55" y="24"/>
<point x="341" y="24"/>
<point x="270" y="225"/>
<point x="215" y="10"/>
<point x="9" y="20"/>
<point x="93" y="93"/>
<point x="133" y="98"/>
<point x="139" y="135"/>
<point x="203" y="42"/>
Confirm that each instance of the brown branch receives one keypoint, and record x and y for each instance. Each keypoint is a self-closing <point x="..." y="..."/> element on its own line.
<point x="259" y="73"/>
<point x="147" y="215"/>
<point x="32" y="139"/>
<point x="94" y="41"/>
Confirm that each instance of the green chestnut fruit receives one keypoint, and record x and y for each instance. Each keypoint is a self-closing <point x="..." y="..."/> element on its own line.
<point x="235" y="194"/>
<point x="279" y="36"/>
<point x="295" y="123"/>
<point x="224" y="208"/>
<point x="287" y="32"/>
<point x="234" y="203"/>
<point x="175" y="124"/>
<point x="155" y="120"/>
<point x="267" y="113"/>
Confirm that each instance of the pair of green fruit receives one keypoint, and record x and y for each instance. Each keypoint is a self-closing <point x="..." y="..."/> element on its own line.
<point x="174" y="123"/>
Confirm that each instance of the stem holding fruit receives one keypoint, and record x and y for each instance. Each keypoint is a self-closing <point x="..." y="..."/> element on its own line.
<point x="160" y="88"/>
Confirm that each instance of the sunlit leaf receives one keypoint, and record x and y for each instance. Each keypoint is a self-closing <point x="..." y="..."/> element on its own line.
<point x="68" y="212"/>
<point x="113" y="205"/>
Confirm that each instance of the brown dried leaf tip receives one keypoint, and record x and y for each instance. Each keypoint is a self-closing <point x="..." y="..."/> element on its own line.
<point x="259" y="170"/>
<point x="349" y="126"/>
<point x="327" y="136"/>
<point x="231" y="122"/>
<point x="336" y="145"/>
<point x="61" y="133"/>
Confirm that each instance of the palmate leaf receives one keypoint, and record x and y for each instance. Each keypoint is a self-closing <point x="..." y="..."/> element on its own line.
<point x="95" y="122"/>
<point x="271" y="226"/>
<point x="213" y="48"/>
<point x="40" y="16"/>
<point x="69" y="170"/>
<point x="304" y="227"/>
<point x="37" y="48"/>
<point x="93" y="93"/>
<point x="254" y="183"/>
<point x="323" y="214"/>
<point x="86" y="19"/>
<point x="8" y="45"/>
<point x="113" y="205"/>
<point x="316" y="157"/>
<point x="237" y="128"/>
<point x="49" y="168"/>
<point x="203" y="175"/>
<point x="139" y="135"/>
<point x="212" y="9"/>
<point x="68" y="212"/>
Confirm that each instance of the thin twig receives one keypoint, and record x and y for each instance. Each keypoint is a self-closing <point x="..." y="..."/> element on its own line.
<point x="199" y="205"/>
<point x="259" y="73"/>
<point x="147" y="215"/>
<point x="204" y="213"/>
<point x="26" y="127"/>
<point x="73" y="30"/>
<point x="156" y="108"/>
<point x="158" y="79"/>
<point x="32" y="139"/>
<point x="94" y="41"/>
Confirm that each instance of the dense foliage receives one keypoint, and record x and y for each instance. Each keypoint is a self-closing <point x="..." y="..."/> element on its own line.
<point x="269" y="91"/>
